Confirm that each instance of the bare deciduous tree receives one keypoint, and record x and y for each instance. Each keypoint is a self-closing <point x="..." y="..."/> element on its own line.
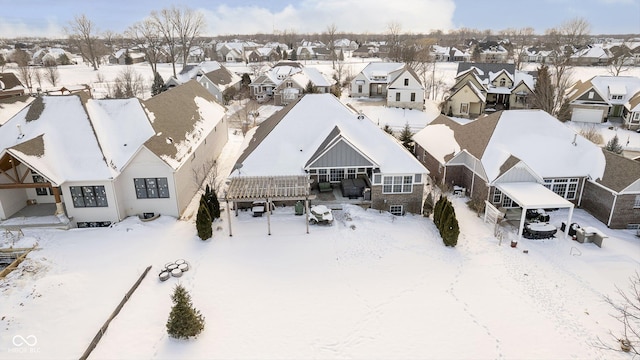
<point x="209" y="174"/>
<point x="147" y="35"/>
<point x="127" y="84"/>
<point x="393" y="36"/>
<point x="188" y="23"/>
<point x="81" y="32"/>
<point x="25" y="72"/>
<point x="52" y="75"/>
<point x="38" y="77"/>
<point x="519" y="39"/>
<point x="169" y="34"/>
<point x="330" y="37"/>
<point x="627" y="312"/>
<point x="621" y="59"/>
<point x="565" y="40"/>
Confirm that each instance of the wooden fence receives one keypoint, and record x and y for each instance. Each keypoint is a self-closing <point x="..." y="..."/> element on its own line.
<point x="104" y="327"/>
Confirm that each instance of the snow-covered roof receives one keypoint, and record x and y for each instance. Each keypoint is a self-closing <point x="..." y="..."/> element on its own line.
<point x="284" y="143"/>
<point x="61" y="148"/>
<point x="191" y="71"/>
<point x="380" y="69"/>
<point x="121" y="126"/>
<point x="522" y="76"/>
<point x="627" y="86"/>
<point x="543" y="143"/>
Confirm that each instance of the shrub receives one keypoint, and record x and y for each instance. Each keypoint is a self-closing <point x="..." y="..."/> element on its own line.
<point x="203" y="221"/>
<point x="184" y="320"/>
<point x="592" y="134"/>
<point x="427" y="208"/>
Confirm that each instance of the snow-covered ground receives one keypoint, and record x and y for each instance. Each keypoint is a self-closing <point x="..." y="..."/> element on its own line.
<point x="370" y="286"/>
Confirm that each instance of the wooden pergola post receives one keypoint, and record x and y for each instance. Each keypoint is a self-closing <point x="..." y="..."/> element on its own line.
<point x="56" y="196"/>
<point x="229" y="218"/>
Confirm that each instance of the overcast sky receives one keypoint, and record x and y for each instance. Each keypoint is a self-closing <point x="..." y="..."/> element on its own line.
<point x="224" y="17"/>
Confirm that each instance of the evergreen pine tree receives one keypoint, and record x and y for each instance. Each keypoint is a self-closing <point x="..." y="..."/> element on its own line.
<point x="341" y="55"/>
<point x="437" y="211"/>
<point x="184" y="320"/>
<point x="406" y="137"/>
<point x="449" y="229"/>
<point x="203" y="220"/>
<point x="158" y="84"/>
<point x="309" y="89"/>
<point x="294" y="56"/>
<point x="127" y="59"/>
<point x="614" y="145"/>
<point x="543" y="92"/>
<point x="427" y="208"/>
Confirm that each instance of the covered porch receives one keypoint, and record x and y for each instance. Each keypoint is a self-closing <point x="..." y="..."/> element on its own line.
<point x="533" y="196"/>
<point x="247" y="189"/>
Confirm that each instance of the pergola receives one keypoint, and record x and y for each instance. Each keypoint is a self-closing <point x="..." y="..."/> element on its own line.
<point x="268" y="189"/>
<point x="531" y="195"/>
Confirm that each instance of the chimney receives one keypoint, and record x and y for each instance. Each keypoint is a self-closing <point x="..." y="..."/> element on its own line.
<point x="20" y="133"/>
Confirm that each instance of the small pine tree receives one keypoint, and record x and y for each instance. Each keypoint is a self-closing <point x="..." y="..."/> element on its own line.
<point x="246" y="80"/>
<point x="158" y="84"/>
<point x="449" y="229"/>
<point x="406" y="137"/>
<point x="310" y="89"/>
<point x="437" y="211"/>
<point x="212" y="203"/>
<point x="427" y="208"/>
<point x="294" y="56"/>
<point x="203" y="221"/>
<point x="341" y="55"/>
<point x="184" y="320"/>
<point x="614" y="145"/>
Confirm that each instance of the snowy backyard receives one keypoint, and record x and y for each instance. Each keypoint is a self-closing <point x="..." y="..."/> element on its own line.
<point x="370" y="286"/>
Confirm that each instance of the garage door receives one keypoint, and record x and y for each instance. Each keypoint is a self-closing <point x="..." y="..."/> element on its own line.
<point x="587" y="115"/>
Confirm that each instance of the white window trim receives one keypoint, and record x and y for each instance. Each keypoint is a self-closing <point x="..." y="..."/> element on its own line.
<point x="397" y="207"/>
<point x="636" y="204"/>
<point x="402" y="184"/>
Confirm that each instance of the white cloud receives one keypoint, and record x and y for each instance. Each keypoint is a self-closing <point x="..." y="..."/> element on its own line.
<point x="15" y="29"/>
<point x="348" y="15"/>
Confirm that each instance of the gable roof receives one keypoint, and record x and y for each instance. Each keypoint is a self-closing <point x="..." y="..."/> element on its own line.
<point x="533" y="136"/>
<point x="486" y="68"/>
<point x="627" y="86"/>
<point x="285" y="143"/>
<point x="182" y="117"/>
<point x="61" y="148"/>
<point x="620" y="172"/>
<point x="335" y="137"/>
<point x="9" y="81"/>
<point x="381" y="68"/>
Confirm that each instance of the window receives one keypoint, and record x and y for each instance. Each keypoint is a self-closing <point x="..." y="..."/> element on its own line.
<point x="636" y="117"/>
<point x="464" y="108"/>
<point x="413" y="97"/>
<point x="397" y="184"/>
<point x="398" y="96"/>
<point x="151" y="188"/>
<point x="397" y="210"/>
<point x="567" y="188"/>
<point x="351" y="173"/>
<point x="88" y="196"/>
<point x="39" y="179"/>
<point x="417" y="178"/>
<point x="359" y="89"/>
<point x="636" y="203"/>
<point x="503" y="82"/>
<point x="377" y="179"/>
<point x="322" y="175"/>
<point x="379" y="89"/>
<point x="289" y="84"/>
<point x="591" y="94"/>
<point x="336" y="174"/>
<point x="497" y="196"/>
<point x="406" y="82"/>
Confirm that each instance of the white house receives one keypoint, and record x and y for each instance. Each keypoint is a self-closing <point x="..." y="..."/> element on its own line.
<point x="213" y="76"/>
<point x="395" y="82"/>
<point x="604" y="97"/>
<point x="104" y="160"/>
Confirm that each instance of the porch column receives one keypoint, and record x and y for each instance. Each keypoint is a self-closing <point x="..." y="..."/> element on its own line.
<point x="522" y="220"/>
<point x="566" y="233"/>
<point x="229" y="218"/>
<point x="56" y="196"/>
<point x="268" y="210"/>
<point x="306" y="212"/>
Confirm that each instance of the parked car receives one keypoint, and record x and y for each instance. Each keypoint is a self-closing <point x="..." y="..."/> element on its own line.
<point x="320" y="214"/>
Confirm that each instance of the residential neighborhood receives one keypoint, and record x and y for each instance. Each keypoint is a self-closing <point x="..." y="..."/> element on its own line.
<point x="315" y="180"/>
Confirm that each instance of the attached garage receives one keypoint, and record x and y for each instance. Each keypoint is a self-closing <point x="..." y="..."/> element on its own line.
<point x="587" y="115"/>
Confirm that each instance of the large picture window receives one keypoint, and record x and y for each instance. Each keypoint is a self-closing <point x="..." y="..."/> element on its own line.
<point x="397" y="184"/>
<point x="151" y="188"/>
<point x="567" y="188"/>
<point x="88" y="196"/>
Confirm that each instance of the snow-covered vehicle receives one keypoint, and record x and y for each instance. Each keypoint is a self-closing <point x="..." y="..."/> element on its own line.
<point x="320" y="214"/>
